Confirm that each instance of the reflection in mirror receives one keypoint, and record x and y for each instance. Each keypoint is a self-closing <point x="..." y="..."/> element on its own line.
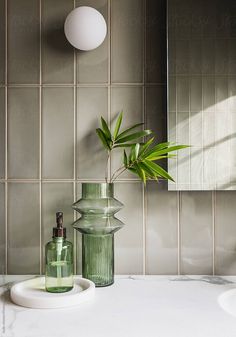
<point x="202" y="93"/>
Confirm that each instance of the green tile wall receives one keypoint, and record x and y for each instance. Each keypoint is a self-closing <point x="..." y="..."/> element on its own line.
<point x="50" y="102"/>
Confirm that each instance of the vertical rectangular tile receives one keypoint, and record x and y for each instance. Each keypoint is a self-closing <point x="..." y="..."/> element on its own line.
<point x="23" y="228"/>
<point x="2" y="41"/>
<point x="23" y="41"/>
<point x="156" y="111"/>
<point x="129" y="241"/>
<point x="209" y="168"/>
<point x="232" y="93"/>
<point x="195" y="57"/>
<point x="57" y="53"/>
<point x="223" y="124"/>
<point x="195" y="128"/>
<point x="183" y="156"/>
<point x="23" y="133"/>
<point x="130" y="101"/>
<point x="92" y="66"/>
<point x="196" y="135"/>
<point x="197" y="7"/>
<point x="221" y="87"/>
<point x="183" y="93"/>
<point x="172" y="127"/>
<point x="2" y="229"/>
<point x="156" y="41"/>
<point x="209" y="93"/>
<point x="57" y="133"/>
<point x="156" y="114"/>
<point x="232" y="58"/>
<point x="2" y="133"/>
<point x="127" y="41"/>
<point x="209" y="128"/>
<point x="56" y="197"/>
<point x="91" y="156"/>
<point x="161" y="235"/>
<point x="222" y="147"/>
<point x="225" y="233"/>
<point x="209" y="27"/>
<point x="196" y="232"/>
<point x="208" y="55"/>
<point x="172" y="61"/>
<point x="182" y="56"/>
<point x="171" y="99"/>
<point x="196" y="168"/>
<point x="196" y="93"/>
<point x="221" y="56"/>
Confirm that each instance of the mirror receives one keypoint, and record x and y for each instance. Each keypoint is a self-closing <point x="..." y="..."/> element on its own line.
<point x="202" y="93"/>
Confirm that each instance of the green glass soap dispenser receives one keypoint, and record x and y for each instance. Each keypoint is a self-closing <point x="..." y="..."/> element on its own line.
<point x="59" y="260"/>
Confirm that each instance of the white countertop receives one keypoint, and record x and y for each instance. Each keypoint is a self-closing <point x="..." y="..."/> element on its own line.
<point x="135" y="306"/>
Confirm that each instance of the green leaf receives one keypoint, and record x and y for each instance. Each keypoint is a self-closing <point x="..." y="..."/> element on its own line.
<point x="148" y="170"/>
<point x="145" y="146"/>
<point x="125" y="159"/>
<point x="154" y="157"/>
<point x="132" y="157"/>
<point x="166" y="150"/>
<point x="159" y="170"/>
<point x="158" y="147"/>
<point x="134" y="136"/>
<point x="103" y="138"/>
<point x="136" y="150"/>
<point x="105" y="128"/>
<point x="118" y="124"/>
<point x="132" y="170"/>
<point x="124" y="145"/>
<point x="127" y="131"/>
<point x="140" y="172"/>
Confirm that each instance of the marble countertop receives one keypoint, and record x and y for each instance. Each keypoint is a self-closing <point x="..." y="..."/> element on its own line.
<point x="135" y="306"/>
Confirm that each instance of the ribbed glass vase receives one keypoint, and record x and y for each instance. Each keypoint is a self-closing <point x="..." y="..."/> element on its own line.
<point x="98" y="225"/>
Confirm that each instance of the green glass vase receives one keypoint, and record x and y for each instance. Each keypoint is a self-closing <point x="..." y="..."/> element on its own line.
<point x="98" y="225"/>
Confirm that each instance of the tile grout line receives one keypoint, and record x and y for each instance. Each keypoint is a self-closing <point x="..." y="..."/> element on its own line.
<point x="109" y="78"/>
<point x="6" y="136"/>
<point x="75" y="150"/>
<point x="214" y="125"/>
<point x="189" y="129"/>
<point x="213" y="230"/>
<point x="176" y="133"/>
<point x="66" y="180"/>
<point x="202" y="126"/>
<point x="144" y="193"/>
<point x="178" y="192"/>
<point x="40" y="137"/>
<point x="179" y="232"/>
<point x="82" y="85"/>
<point x="215" y="185"/>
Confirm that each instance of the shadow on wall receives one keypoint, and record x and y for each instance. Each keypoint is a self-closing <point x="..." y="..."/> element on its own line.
<point x="54" y="38"/>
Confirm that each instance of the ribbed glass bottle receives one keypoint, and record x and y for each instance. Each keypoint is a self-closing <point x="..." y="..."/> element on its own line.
<point x="98" y="225"/>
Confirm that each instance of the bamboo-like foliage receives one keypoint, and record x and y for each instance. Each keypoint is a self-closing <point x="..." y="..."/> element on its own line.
<point x="142" y="156"/>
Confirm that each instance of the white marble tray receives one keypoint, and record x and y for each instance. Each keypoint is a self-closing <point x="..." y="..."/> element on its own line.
<point x="32" y="294"/>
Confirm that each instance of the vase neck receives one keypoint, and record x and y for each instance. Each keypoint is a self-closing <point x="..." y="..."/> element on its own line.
<point x="97" y="190"/>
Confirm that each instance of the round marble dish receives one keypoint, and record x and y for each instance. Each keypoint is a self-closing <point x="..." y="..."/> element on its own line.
<point x="31" y="294"/>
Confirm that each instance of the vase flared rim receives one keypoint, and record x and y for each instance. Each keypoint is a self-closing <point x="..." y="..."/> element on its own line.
<point x="97" y="183"/>
<point x="99" y="189"/>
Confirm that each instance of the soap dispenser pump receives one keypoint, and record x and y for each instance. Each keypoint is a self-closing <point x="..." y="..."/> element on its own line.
<point x="59" y="260"/>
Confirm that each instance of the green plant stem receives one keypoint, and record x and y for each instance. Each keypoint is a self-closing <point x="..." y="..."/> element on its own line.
<point x="122" y="169"/>
<point x="108" y="158"/>
<point x="119" y="169"/>
<point x="115" y="177"/>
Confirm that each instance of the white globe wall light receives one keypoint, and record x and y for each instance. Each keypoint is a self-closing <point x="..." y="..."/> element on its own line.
<point x="85" y="28"/>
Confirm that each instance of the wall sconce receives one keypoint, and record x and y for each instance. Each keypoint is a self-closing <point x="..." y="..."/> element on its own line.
<point x="85" y="28"/>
